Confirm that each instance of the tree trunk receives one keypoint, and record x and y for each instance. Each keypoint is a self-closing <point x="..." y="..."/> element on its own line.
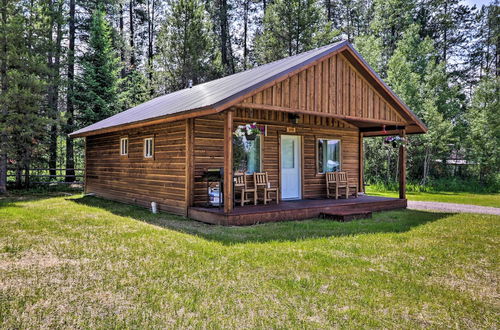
<point x="426" y="166"/>
<point x="132" y="36"/>
<point x="3" y="82"/>
<point x="226" y="51"/>
<point x="54" y="63"/>
<point x="328" y="5"/>
<point x="151" y="18"/>
<point x="19" y="176"/>
<point x="122" y="43"/>
<point x="245" y="34"/>
<point x="26" y="173"/>
<point x="70" y="125"/>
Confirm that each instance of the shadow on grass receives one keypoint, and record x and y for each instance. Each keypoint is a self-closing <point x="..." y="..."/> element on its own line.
<point x="15" y="197"/>
<point x="383" y="222"/>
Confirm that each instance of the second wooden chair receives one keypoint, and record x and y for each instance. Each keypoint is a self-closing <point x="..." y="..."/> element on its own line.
<point x="261" y="181"/>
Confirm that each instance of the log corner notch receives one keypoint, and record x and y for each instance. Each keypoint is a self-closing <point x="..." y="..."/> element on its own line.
<point x="402" y="166"/>
<point x="228" y="160"/>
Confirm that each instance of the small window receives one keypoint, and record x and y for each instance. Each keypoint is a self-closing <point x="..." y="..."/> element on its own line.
<point x="148" y="148"/>
<point x="124" y="146"/>
<point x="328" y="155"/>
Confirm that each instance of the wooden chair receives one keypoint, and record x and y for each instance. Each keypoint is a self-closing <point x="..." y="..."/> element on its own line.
<point x="241" y="184"/>
<point x="337" y="181"/>
<point x="262" y="180"/>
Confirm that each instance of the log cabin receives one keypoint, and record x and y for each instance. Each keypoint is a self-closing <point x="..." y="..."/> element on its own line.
<point x="311" y="110"/>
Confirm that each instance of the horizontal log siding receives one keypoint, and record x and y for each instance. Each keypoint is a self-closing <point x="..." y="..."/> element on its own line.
<point x="209" y="150"/>
<point x="331" y="87"/>
<point x="135" y="179"/>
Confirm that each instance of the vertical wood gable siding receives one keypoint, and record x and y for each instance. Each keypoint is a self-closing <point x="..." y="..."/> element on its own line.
<point x="135" y="179"/>
<point x="333" y="86"/>
<point x="209" y="151"/>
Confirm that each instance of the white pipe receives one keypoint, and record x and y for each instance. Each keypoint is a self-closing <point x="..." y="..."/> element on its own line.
<point x="154" y="207"/>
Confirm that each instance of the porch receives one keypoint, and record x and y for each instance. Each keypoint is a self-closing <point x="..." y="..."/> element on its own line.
<point x="293" y="210"/>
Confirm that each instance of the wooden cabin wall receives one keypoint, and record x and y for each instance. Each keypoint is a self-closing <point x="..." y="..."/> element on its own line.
<point x="330" y="87"/>
<point x="135" y="179"/>
<point x="209" y="150"/>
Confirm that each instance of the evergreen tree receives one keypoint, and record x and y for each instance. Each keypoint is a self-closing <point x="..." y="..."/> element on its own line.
<point x="97" y="88"/>
<point x="351" y="17"/>
<point x="417" y="77"/>
<point x="292" y="27"/>
<point x="484" y="54"/>
<point x="134" y="90"/>
<point x="483" y="137"/>
<point x="390" y="19"/>
<point x="24" y="120"/>
<point x="221" y="14"/>
<point x="446" y="22"/>
<point x="185" y="48"/>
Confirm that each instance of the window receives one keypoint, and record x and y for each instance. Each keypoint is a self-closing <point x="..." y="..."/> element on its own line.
<point x="124" y="146"/>
<point x="247" y="154"/>
<point x="328" y="155"/>
<point x="148" y="148"/>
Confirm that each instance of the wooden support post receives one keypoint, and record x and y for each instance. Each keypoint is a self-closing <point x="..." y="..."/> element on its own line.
<point x="85" y="168"/>
<point x="402" y="167"/>
<point x="189" y="166"/>
<point x="361" y="186"/>
<point x="228" y="161"/>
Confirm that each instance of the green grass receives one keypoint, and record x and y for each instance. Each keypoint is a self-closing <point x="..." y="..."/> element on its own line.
<point x="82" y="262"/>
<point x="443" y="196"/>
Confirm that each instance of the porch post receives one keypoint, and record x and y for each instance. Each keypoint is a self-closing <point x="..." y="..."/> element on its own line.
<point x="361" y="187"/>
<point x="228" y="161"/>
<point x="402" y="167"/>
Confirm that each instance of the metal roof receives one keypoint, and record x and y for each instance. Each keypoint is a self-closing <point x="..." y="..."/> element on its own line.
<point x="214" y="93"/>
<point x="210" y="94"/>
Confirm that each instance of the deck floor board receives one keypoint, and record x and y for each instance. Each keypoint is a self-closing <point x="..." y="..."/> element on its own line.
<point x="293" y="210"/>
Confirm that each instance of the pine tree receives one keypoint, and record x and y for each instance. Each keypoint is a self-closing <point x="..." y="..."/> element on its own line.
<point x="483" y="136"/>
<point x="134" y="90"/>
<point x="292" y="27"/>
<point x="4" y="111"/>
<point x="221" y="14"/>
<point x="351" y="17"/>
<point x="97" y="88"/>
<point x="70" y="109"/>
<point x="185" y="48"/>
<point x="416" y="76"/>
<point x="390" y="19"/>
<point x="24" y="120"/>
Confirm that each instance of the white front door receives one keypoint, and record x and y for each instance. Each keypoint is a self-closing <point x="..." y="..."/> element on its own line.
<point x="290" y="167"/>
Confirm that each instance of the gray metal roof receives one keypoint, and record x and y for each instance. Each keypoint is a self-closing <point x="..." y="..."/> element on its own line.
<point x="213" y="93"/>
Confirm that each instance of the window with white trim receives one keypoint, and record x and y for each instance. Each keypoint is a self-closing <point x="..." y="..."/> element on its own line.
<point x="124" y="146"/>
<point x="148" y="147"/>
<point x="328" y="155"/>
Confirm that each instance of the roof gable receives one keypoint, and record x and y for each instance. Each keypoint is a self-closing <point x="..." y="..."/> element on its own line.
<point x="332" y="87"/>
<point x="217" y="95"/>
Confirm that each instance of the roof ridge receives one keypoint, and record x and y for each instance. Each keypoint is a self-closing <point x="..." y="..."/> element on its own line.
<point x="261" y="66"/>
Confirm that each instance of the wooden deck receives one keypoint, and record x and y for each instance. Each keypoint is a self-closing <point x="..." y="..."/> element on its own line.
<point x="293" y="210"/>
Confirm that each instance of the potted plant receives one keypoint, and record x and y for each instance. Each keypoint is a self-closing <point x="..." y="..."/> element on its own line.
<point x="249" y="131"/>
<point x="395" y="141"/>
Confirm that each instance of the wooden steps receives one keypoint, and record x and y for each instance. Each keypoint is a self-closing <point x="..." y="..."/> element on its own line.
<point x="347" y="215"/>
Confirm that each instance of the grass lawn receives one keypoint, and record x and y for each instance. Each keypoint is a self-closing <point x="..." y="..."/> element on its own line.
<point x="444" y="196"/>
<point x="82" y="262"/>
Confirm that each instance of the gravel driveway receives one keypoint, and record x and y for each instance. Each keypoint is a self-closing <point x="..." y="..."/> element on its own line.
<point x="452" y="207"/>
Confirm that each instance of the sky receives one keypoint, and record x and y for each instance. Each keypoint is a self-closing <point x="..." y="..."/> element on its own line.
<point x="478" y="3"/>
